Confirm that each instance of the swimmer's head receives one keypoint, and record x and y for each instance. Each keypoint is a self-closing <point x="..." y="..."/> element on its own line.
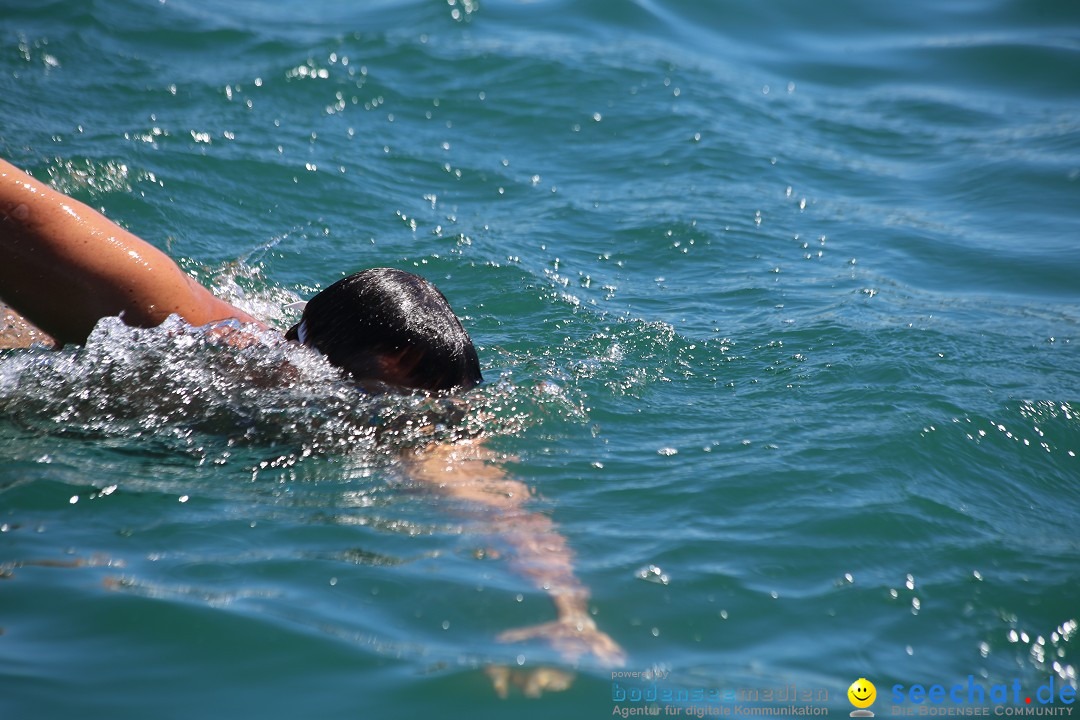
<point x="390" y="326"/>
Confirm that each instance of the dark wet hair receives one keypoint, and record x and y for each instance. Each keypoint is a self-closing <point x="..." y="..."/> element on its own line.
<point x="392" y="326"/>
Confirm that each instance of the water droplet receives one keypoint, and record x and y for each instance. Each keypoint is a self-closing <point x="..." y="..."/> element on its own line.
<point x="652" y="573"/>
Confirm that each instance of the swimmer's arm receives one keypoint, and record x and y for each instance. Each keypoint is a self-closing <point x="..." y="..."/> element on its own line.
<point x="467" y="470"/>
<point x="64" y="266"/>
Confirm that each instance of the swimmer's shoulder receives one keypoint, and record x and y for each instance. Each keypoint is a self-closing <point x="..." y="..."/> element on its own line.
<point x="18" y="332"/>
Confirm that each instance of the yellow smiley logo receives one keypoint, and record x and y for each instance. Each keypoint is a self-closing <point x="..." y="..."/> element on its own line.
<point x="862" y="693"/>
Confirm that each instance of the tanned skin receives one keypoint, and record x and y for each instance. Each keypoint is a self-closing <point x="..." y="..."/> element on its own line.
<point x="65" y="266"/>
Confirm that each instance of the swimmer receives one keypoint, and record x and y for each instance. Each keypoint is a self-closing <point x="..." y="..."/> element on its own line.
<point x="64" y="266"/>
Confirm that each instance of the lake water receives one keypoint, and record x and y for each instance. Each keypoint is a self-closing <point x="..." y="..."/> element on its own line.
<point x="780" y="298"/>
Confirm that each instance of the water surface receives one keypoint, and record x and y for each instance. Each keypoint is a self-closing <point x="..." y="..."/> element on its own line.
<point x="781" y="299"/>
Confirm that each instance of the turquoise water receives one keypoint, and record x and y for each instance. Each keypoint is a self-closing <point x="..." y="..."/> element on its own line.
<point x="781" y="298"/>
